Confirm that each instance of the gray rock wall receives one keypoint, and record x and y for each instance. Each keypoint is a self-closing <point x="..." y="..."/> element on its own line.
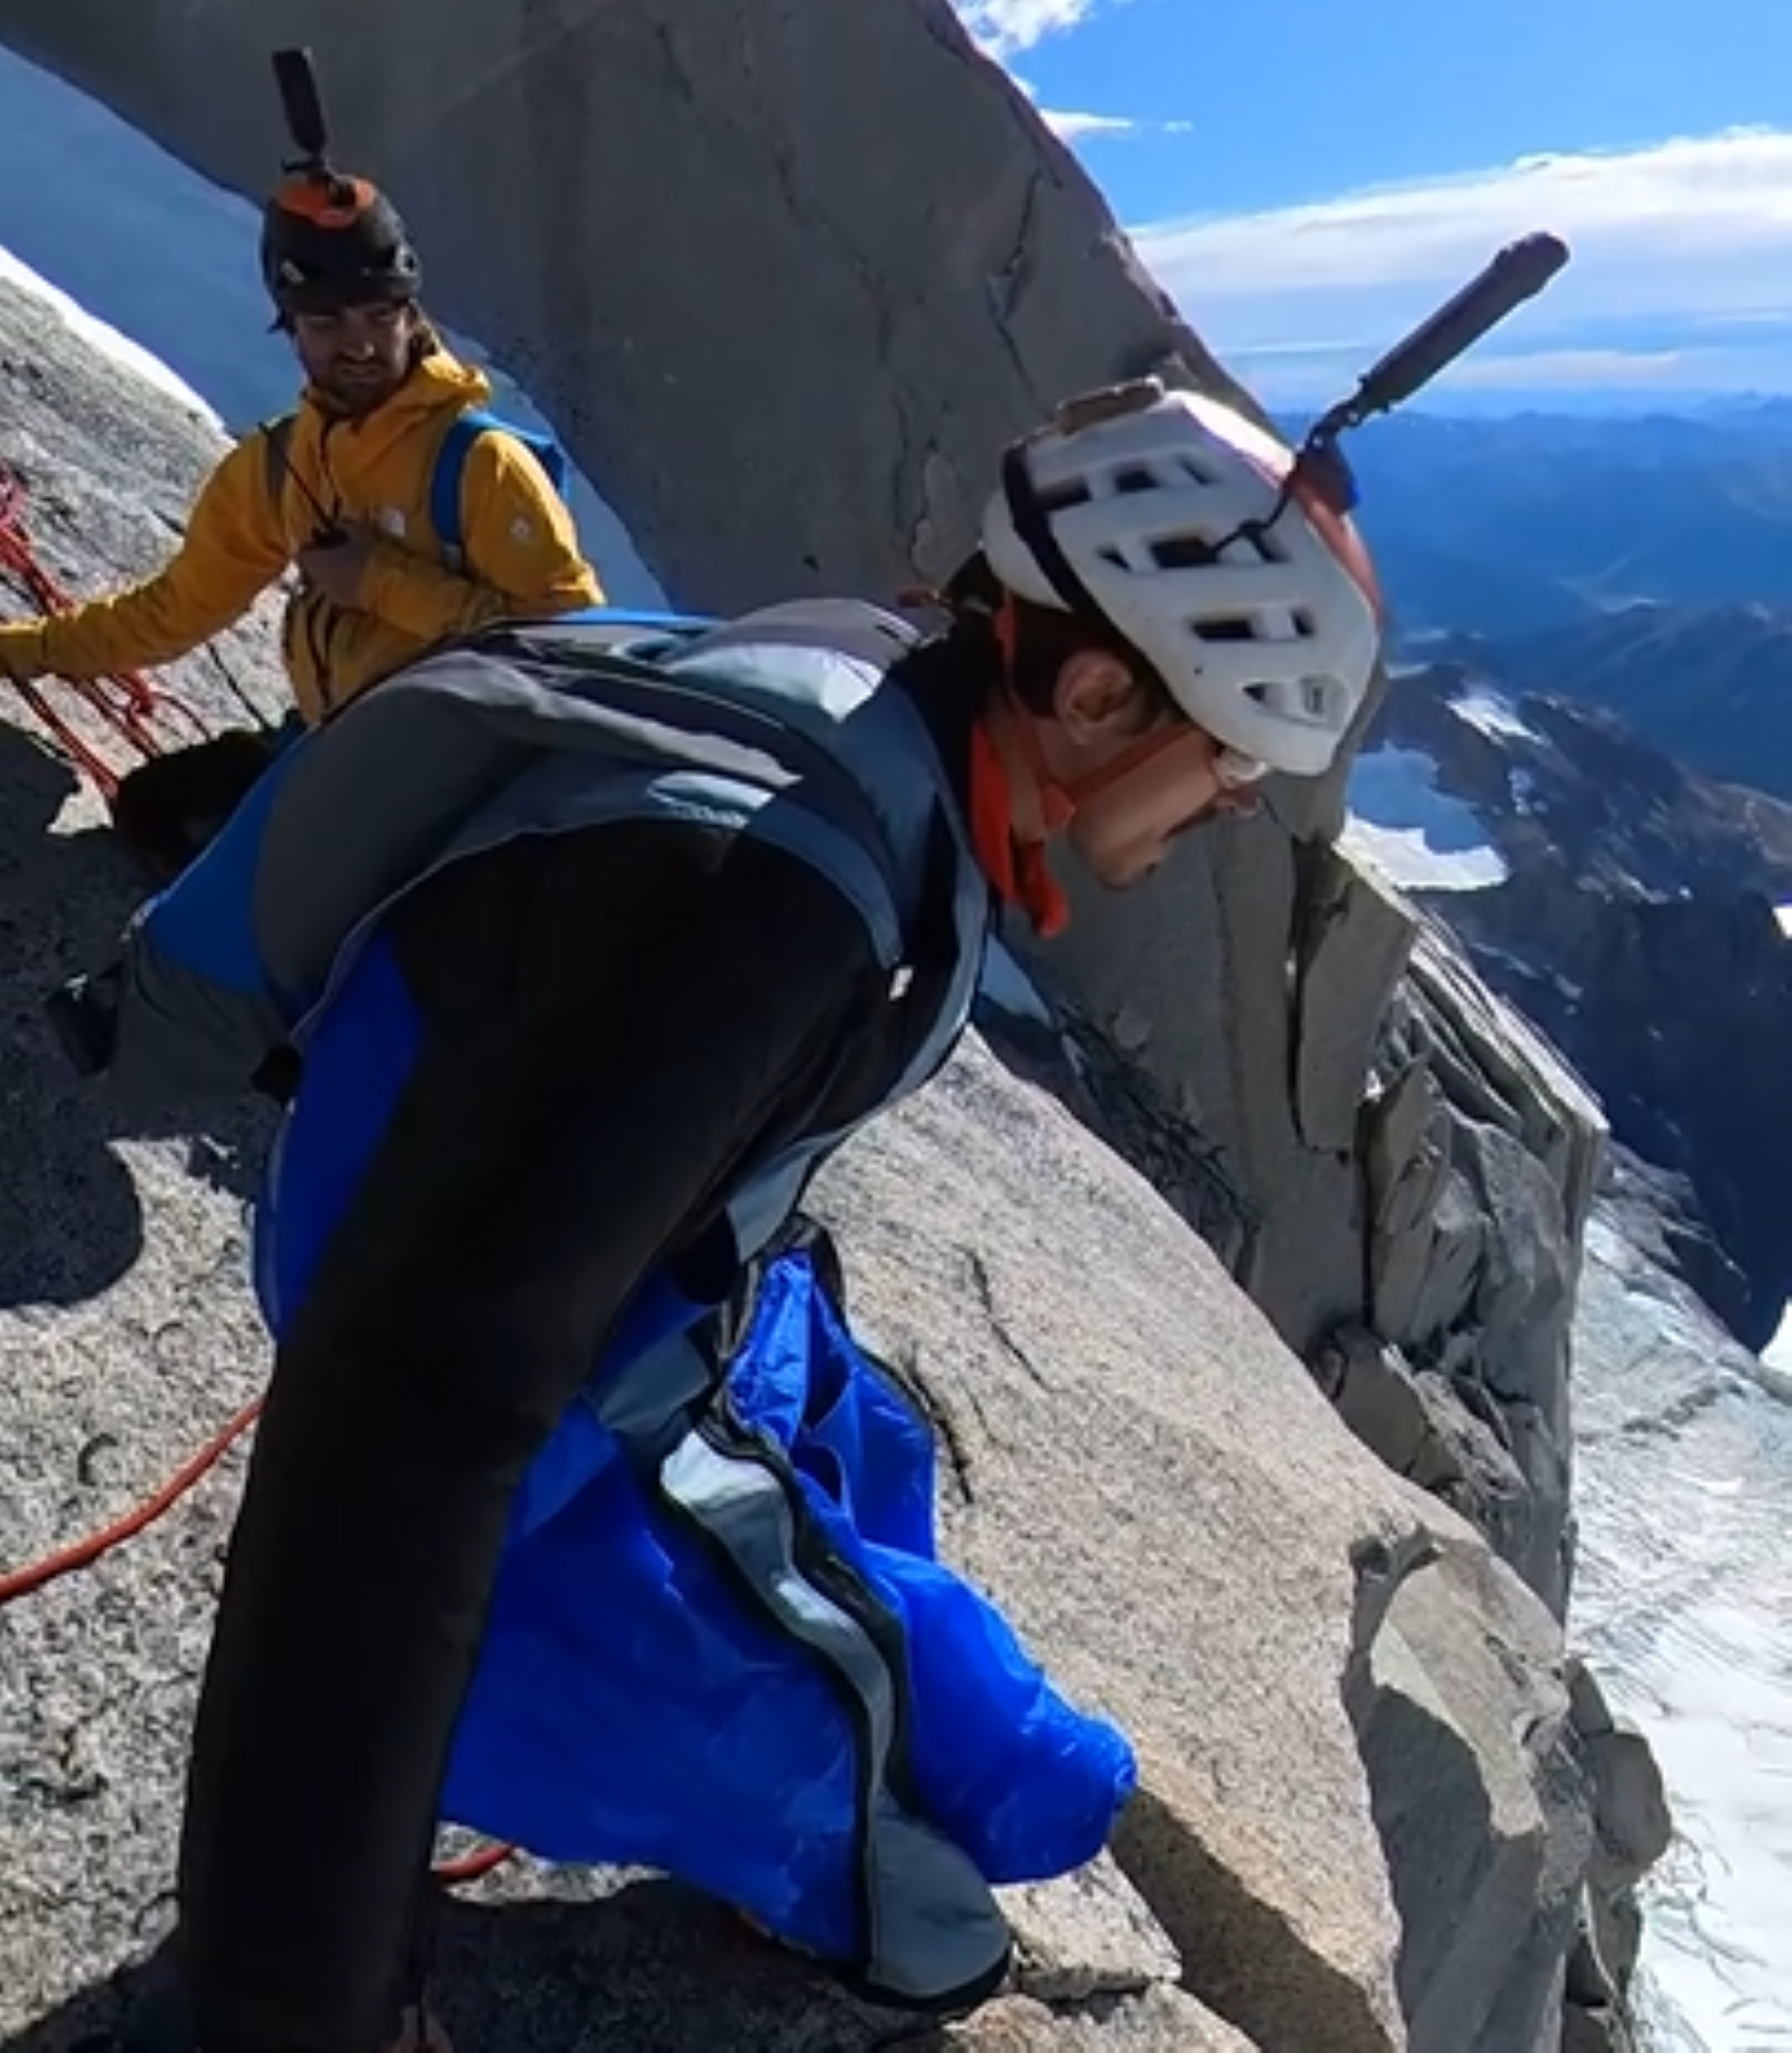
<point x="783" y="276"/>
<point x="1412" y="1165"/>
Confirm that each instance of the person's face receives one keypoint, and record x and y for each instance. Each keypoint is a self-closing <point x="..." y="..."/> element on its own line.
<point x="1181" y="777"/>
<point x="357" y="358"/>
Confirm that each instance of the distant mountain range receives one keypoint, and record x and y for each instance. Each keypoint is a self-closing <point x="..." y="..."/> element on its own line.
<point x="1711" y="685"/>
<point x="1507" y="525"/>
<point x="1640" y="562"/>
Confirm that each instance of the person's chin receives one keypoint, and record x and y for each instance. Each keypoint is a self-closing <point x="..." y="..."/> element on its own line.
<point x="361" y="396"/>
<point x="1124" y="869"/>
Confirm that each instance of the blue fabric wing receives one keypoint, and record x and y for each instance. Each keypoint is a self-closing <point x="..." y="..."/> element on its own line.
<point x="633" y="1704"/>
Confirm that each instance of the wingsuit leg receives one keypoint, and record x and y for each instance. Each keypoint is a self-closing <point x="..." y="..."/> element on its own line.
<point x="554" y="1130"/>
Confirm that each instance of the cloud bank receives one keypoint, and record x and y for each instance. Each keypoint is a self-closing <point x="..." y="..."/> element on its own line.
<point x="1680" y="276"/>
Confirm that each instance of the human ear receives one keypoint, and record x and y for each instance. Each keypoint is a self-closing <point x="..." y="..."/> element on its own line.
<point x="1095" y="696"/>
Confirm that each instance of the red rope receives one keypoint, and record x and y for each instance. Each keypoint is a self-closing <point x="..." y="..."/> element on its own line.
<point x="37" y="1575"/>
<point x="124" y="700"/>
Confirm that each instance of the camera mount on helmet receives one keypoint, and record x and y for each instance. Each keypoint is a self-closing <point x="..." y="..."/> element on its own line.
<point x="301" y="101"/>
<point x="1517" y="273"/>
<point x="329" y="239"/>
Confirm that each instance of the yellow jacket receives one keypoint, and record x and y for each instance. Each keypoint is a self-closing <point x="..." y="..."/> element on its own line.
<point x="521" y="547"/>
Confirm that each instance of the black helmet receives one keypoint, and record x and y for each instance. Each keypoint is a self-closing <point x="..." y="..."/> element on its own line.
<point x="330" y="242"/>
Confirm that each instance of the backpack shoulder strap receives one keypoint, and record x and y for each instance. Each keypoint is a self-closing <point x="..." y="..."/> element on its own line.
<point x="277" y="461"/>
<point x="450" y="472"/>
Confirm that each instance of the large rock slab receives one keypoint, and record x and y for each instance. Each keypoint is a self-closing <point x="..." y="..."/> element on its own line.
<point x="1161" y="1497"/>
<point x="602" y="192"/>
<point x="1488" y="1916"/>
<point x="1165" y="1501"/>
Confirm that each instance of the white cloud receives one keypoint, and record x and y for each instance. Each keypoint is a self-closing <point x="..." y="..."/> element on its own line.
<point x="1584" y="368"/>
<point x="1073" y="127"/>
<point x="1679" y="251"/>
<point x="1079" y="127"/>
<point x="1007" y="26"/>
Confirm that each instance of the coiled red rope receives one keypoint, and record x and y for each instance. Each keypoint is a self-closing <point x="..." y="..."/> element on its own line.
<point x="123" y="701"/>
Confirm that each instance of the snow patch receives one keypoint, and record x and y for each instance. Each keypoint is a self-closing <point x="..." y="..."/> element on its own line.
<point x="1783" y="913"/>
<point x="1417" y="834"/>
<point x="1406" y="859"/>
<point x="1684" y="1603"/>
<point x="1777" y="1354"/>
<point x="1493" y="715"/>
<point x="159" y="267"/>
<point x="103" y="337"/>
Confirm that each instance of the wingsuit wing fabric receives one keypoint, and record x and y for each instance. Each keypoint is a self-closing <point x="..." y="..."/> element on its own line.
<point x="640" y="1701"/>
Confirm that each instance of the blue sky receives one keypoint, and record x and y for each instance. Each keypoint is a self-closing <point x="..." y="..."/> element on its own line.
<point x="1308" y="177"/>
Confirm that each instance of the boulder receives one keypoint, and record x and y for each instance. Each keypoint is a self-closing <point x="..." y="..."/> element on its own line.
<point x="1633" y="1828"/>
<point x="1489" y="1913"/>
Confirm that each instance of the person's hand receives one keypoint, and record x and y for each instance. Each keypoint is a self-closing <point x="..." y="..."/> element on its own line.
<point x="337" y="568"/>
<point x="15" y="664"/>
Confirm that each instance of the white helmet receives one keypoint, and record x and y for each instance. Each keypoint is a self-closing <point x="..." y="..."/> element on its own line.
<point x="1162" y="512"/>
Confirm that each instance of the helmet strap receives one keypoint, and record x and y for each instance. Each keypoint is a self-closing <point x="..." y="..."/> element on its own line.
<point x="1147" y="749"/>
<point x="1014" y="864"/>
<point x="1059" y="802"/>
<point x="1005" y="748"/>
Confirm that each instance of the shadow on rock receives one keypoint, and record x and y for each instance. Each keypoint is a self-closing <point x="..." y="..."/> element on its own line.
<point x="71" y="1221"/>
<point x="650" y="1966"/>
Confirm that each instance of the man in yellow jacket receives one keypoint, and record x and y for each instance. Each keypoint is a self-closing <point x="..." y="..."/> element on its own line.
<point x="341" y="489"/>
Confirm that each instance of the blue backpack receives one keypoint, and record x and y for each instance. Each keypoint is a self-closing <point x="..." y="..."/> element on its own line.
<point x="451" y="464"/>
<point x="450" y="469"/>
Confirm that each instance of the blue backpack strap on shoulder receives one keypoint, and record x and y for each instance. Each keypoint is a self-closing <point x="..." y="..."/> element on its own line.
<point x="451" y="467"/>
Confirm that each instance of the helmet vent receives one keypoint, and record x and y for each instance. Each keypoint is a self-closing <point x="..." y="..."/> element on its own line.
<point x="1195" y="472"/>
<point x="1226" y="627"/>
<point x="1057" y="498"/>
<point x="1181" y="552"/>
